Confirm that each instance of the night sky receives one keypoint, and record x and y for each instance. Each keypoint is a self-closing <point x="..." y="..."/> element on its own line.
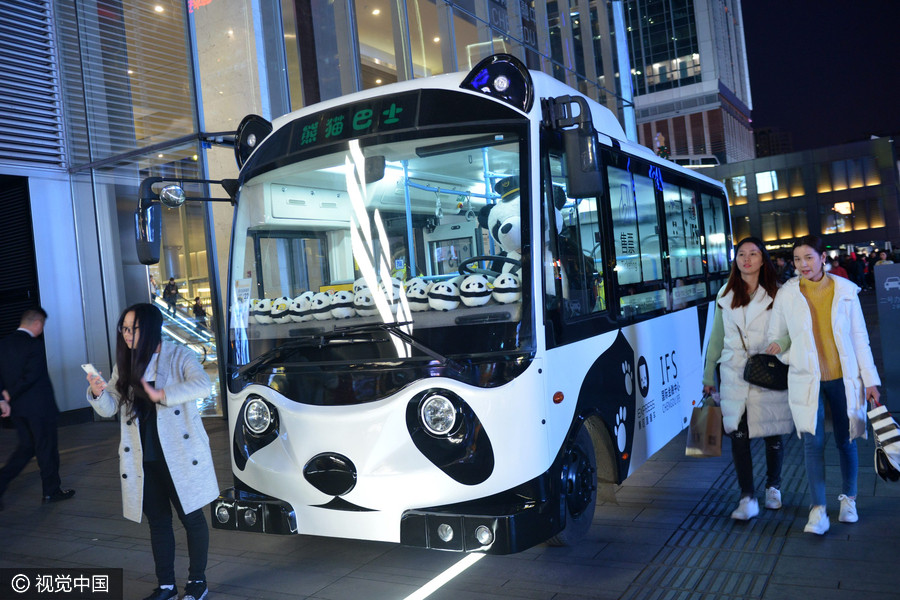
<point x="827" y="72"/>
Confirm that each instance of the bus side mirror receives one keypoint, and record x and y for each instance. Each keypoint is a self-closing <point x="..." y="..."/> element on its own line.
<point x="583" y="176"/>
<point x="147" y="226"/>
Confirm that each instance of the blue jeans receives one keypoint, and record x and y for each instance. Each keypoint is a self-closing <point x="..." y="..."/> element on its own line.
<point x="814" y="444"/>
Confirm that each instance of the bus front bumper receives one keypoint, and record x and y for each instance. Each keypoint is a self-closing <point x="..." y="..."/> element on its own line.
<point x="470" y="527"/>
<point x="238" y="510"/>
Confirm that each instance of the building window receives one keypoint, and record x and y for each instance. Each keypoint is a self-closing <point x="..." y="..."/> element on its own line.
<point x="741" y="228"/>
<point x="851" y="174"/>
<point x="837" y="218"/>
<point x="378" y="65"/>
<point x="870" y="171"/>
<point x="737" y="190"/>
<point x="876" y="212"/>
<point x="425" y="39"/>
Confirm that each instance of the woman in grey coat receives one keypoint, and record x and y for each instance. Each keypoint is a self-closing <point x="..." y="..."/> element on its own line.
<point x="164" y="455"/>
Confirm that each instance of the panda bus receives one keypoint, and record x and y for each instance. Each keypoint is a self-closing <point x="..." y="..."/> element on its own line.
<point x="461" y="309"/>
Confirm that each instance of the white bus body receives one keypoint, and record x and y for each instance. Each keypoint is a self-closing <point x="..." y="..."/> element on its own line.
<point x="482" y="427"/>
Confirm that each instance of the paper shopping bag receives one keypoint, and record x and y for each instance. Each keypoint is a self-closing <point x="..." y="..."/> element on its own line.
<point x="704" y="436"/>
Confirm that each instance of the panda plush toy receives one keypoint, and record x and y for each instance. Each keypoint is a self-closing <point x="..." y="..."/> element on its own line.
<point x="504" y="222"/>
<point x="320" y="306"/>
<point x="342" y="305"/>
<point x="443" y="295"/>
<point x="281" y="310"/>
<point x="392" y="290"/>
<point x="299" y="308"/>
<point x="507" y="289"/>
<point x="364" y="303"/>
<point x="475" y="290"/>
<point x="263" y="312"/>
<point x="417" y="294"/>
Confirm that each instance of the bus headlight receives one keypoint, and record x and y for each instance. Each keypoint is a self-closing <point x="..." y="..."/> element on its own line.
<point x="438" y="415"/>
<point x="257" y="416"/>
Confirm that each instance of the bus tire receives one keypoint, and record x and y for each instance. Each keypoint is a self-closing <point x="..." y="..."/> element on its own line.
<point x="579" y="481"/>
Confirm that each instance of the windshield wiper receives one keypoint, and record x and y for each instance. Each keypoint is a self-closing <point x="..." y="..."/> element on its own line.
<point x="396" y="330"/>
<point x="281" y="352"/>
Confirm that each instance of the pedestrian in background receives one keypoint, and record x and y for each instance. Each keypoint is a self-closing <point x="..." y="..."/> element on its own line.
<point x="817" y="321"/>
<point x="26" y="395"/>
<point x="837" y="270"/>
<point x="743" y="308"/>
<point x="164" y="455"/>
<point x="170" y="295"/>
<point x="199" y="314"/>
<point x="784" y="270"/>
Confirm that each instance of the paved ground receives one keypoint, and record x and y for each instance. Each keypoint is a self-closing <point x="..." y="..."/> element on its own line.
<point x="668" y="536"/>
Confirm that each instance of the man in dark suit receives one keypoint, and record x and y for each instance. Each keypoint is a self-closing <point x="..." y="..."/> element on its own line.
<point x="27" y="397"/>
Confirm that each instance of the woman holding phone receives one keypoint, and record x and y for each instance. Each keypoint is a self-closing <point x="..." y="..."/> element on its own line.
<point x="164" y="455"/>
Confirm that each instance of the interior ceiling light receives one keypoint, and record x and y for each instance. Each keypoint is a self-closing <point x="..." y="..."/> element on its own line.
<point x="376" y="11"/>
<point x="436" y="39"/>
<point x="158" y="8"/>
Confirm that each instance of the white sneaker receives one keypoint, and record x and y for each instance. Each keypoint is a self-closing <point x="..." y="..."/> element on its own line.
<point x="773" y="498"/>
<point x="818" y="521"/>
<point x="848" y="510"/>
<point x="746" y="510"/>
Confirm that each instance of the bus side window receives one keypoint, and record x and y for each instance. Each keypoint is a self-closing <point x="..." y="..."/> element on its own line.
<point x="577" y="255"/>
<point x="639" y="267"/>
<point x="682" y="208"/>
<point x="715" y="228"/>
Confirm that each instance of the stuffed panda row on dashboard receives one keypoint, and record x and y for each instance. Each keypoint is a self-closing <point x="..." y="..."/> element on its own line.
<point x="471" y="290"/>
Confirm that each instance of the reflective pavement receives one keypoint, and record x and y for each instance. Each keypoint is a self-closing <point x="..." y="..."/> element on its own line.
<point x="668" y="535"/>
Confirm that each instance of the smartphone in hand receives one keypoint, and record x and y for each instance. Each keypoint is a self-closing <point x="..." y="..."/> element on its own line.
<point x="90" y="369"/>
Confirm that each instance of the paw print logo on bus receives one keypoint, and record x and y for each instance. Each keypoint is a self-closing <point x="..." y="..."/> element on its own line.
<point x="620" y="430"/>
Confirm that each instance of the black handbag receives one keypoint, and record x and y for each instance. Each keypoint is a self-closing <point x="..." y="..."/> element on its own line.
<point x="764" y="370"/>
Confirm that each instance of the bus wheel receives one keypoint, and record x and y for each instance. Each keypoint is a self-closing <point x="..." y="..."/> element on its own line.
<point x="579" y="480"/>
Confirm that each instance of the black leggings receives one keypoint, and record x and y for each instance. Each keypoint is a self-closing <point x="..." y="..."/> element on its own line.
<point x="159" y="496"/>
<point x="743" y="459"/>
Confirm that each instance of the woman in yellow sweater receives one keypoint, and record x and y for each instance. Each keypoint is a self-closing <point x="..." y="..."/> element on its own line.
<point x="818" y="325"/>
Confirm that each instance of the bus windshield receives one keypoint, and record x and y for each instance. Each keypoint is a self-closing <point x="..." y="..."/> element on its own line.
<point x="354" y="258"/>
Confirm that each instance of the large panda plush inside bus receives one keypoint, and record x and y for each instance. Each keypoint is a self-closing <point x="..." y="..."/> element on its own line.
<point x="503" y="221"/>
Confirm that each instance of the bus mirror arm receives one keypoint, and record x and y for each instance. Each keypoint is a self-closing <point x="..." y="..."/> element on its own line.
<point x="583" y="175"/>
<point x="148" y="216"/>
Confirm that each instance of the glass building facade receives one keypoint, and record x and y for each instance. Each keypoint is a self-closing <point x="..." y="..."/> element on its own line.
<point x="691" y="82"/>
<point x="99" y="95"/>
<point x="106" y="93"/>
<point x="847" y="194"/>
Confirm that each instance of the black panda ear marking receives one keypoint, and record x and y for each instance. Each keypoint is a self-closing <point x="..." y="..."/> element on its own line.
<point x="483" y="215"/>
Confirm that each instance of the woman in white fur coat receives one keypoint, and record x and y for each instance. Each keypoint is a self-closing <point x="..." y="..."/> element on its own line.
<point x="743" y="308"/>
<point x="818" y="323"/>
<point x="164" y="455"/>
